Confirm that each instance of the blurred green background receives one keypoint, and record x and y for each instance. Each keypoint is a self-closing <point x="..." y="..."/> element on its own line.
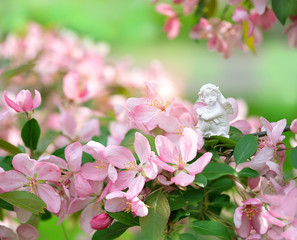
<point x="267" y="81"/>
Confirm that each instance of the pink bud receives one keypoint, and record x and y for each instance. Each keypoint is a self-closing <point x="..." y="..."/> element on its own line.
<point x="24" y="101"/>
<point x="101" y="221"/>
<point x="293" y="126"/>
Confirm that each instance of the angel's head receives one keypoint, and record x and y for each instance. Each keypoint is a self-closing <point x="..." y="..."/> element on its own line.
<point x="209" y="94"/>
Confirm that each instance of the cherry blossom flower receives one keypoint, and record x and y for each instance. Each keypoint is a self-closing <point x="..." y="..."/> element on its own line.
<point x="35" y="177"/>
<point x="24" y="101"/>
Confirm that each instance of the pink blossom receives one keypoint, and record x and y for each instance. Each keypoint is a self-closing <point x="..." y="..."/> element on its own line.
<point x="120" y="201"/>
<point x="174" y="158"/>
<point x="24" y="101"/>
<point x="241" y="15"/>
<point x="251" y="215"/>
<point x="201" y="30"/>
<point x="27" y="232"/>
<point x="291" y="29"/>
<point x="260" y="5"/>
<point x="266" y="20"/>
<point x="172" y="24"/>
<point x="293" y="126"/>
<point x="101" y="221"/>
<point x="33" y="176"/>
<point x="189" y="6"/>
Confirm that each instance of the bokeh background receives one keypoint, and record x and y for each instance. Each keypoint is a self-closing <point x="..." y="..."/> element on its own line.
<point x="267" y="81"/>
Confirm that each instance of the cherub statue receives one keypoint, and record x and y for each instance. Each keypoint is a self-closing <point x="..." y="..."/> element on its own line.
<point x="213" y="112"/>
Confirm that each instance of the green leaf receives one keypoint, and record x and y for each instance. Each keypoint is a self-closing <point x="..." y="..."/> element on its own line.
<point x="6" y="205"/>
<point x="215" y="170"/>
<point x="187" y="236"/>
<point x="86" y="158"/>
<point x="45" y="141"/>
<point x="283" y="9"/>
<point x="16" y="71"/>
<point x="178" y="199"/>
<point x="220" y="201"/>
<point x="104" y="133"/>
<point x="154" y="224"/>
<point x="221" y="185"/>
<point x="8" y="147"/>
<point x="60" y="152"/>
<point x="211" y="228"/>
<point x="293" y="157"/>
<point x="223" y="141"/>
<point x="245" y="148"/>
<point x="6" y="163"/>
<point x="24" y="200"/>
<point x="235" y="134"/>
<point x="46" y="216"/>
<point x="248" y="172"/>
<point x="31" y="133"/>
<point x="124" y="217"/>
<point x="114" y="231"/>
<point x="200" y="180"/>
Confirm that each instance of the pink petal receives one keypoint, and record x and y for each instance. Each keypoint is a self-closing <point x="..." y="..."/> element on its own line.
<point x="68" y="124"/>
<point x="87" y="215"/>
<point x="11" y="103"/>
<point x="293" y="126"/>
<point x="188" y="144"/>
<point x="50" y="197"/>
<point x="135" y="187"/>
<point x="95" y="149"/>
<point x="151" y="170"/>
<point x="112" y="173"/>
<point x="165" y="148"/>
<point x="260" y="6"/>
<point x="61" y="163"/>
<point x="120" y="157"/>
<point x="163" y="180"/>
<point x="89" y="129"/>
<point x="73" y="155"/>
<point x="24" y="164"/>
<point x="198" y="166"/>
<point x="165" y="9"/>
<point x="36" y="100"/>
<point x="48" y="171"/>
<point x="292" y="37"/>
<point x="232" y="2"/>
<point x="258" y="163"/>
<point x="238" y="217"/>
<point x="142" y="147"/>
<point x="115" y="204"/>
<point x="7" y="234"/>
<point x="243" y="125"/>
<point x="24" y="100"/>
<point x="139" y="208"/>
<point x="70" y="85"/>
<point x="240" y="15"/>
<point x="27" y="232"/>
<point x="123" y="180"/>
<point x="278" y="130"/>
<point x="82" y="186"/>
<point x="143" y="113"/>
<point x="78" y="204"/>
<point x="172" y="27"/>
<point x="162" y="119"/>
<point x="22" y="215"/>
<point x="245" y="227"/>
<point x="259" y="223"/>
<point x="94" y="171"/>
<point x="183" y="179"/>
<point x="12" y="180"/>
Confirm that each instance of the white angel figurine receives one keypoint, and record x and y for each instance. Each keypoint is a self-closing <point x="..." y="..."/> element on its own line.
<point x="213" y="115"/>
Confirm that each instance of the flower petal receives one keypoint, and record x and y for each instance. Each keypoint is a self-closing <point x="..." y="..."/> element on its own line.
<point x="12" y="180"/>
<point x="198" y="166"/>
<point x="27" y="232"/>
<point x="183" y="179"/>
<point x="11" y="103"/>
<point x="36" y="100"/>
<point x="48" y="171"/>
<point x="73" y="154"/>
<point x="50" y="197"/>
<point x="24" y="164"/>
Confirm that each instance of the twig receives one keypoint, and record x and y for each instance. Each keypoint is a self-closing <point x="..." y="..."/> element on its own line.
<point x="64" y="231"/>
<point x="264" y="133"/>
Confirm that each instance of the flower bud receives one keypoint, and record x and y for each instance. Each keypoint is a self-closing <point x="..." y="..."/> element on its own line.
<point x="101" y="221"/>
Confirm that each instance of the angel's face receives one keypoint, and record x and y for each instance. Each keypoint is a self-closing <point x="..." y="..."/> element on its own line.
<point x="210" y="97"/>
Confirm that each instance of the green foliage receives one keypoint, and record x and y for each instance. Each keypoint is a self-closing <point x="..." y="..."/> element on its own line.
<point x="293" y="157"/>
<point x="283" y="9"/>
<point x="125" y="218"/>
<point x="8" y="74"/>
<point x="44" y="142"/>
<point x="154" y="224"/>
<point x="86" y="158"/>
<point x="211" y="228"/>
<point x="31" y="133"/>
<point x="113" y="232"/>
<point x="245" y="148"/>
<point x="6" y="163"/>
<point x="221" y="185"/>
<point x="178" y="199"/>
<point x="220" y="201"/>
<point x="224" y="142"/>
<point x="60" y="152"/>
<point x="8" y="147"/>
<point x="46" y="215"/>
<point x="248" y="172"/>
<point x="200" y="180"/>
<point x="235" y="134"/>
<point x="6" y="205"/>
<point x="187" y="236"/>
<point x="104" y="133"/>
<point x="24" y="200"/>
<point x="215" y="170"/>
